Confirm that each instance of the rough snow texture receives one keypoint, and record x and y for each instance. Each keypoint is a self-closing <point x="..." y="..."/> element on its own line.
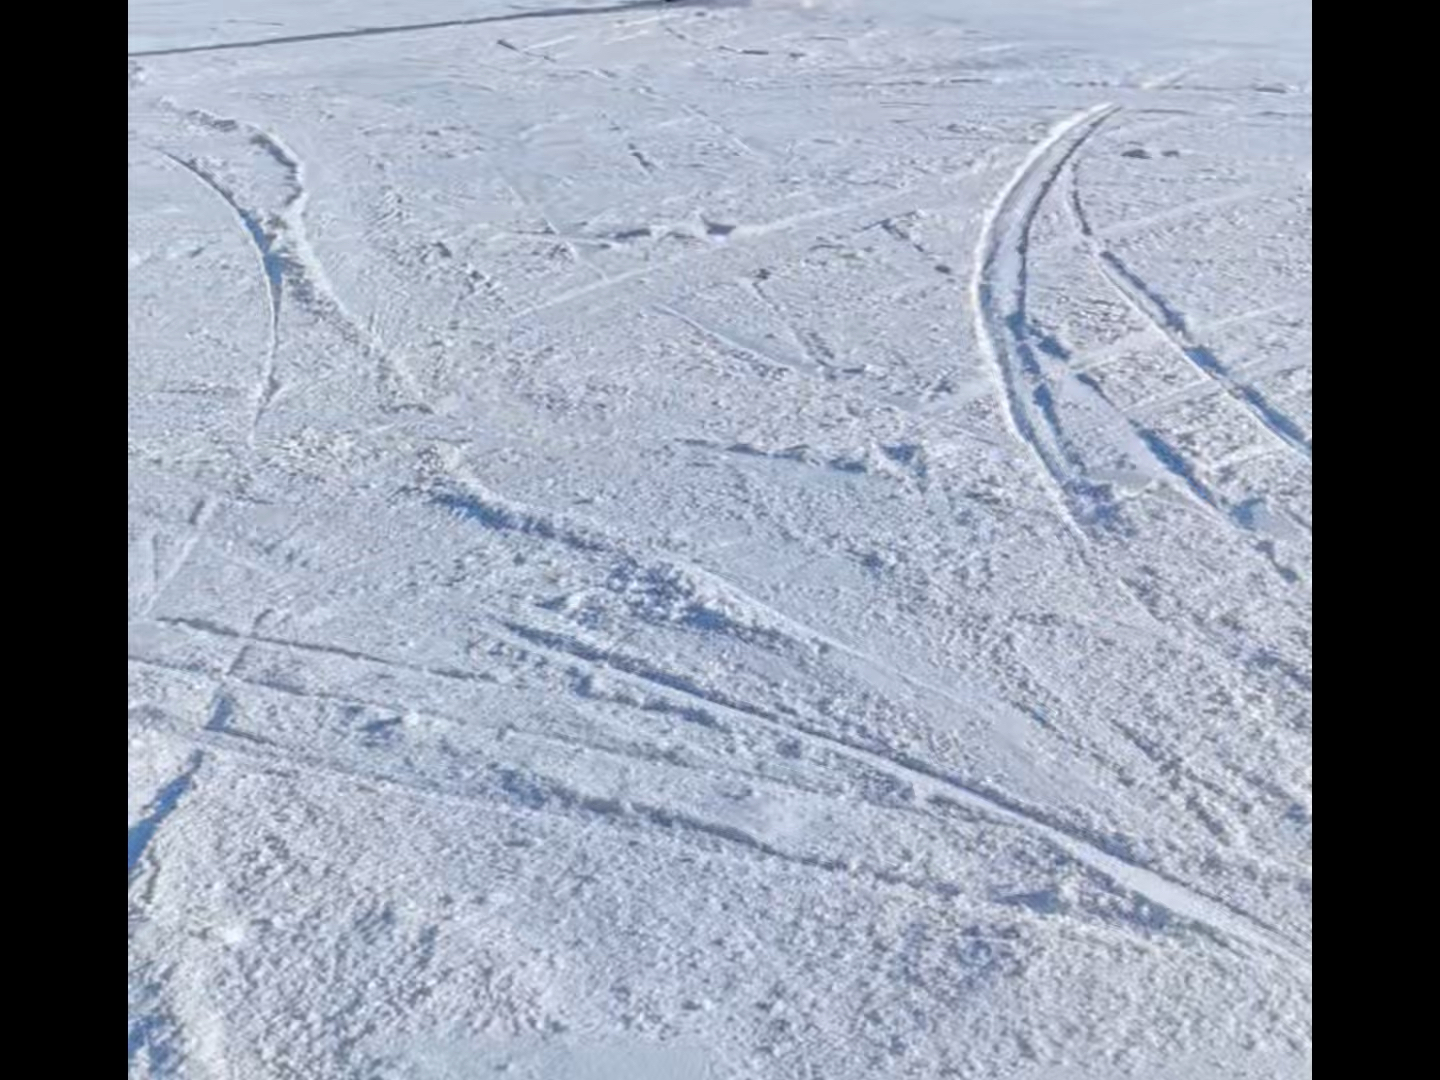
<point x="722" y="540"/>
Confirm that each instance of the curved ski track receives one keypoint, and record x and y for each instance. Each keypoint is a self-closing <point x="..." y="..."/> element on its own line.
<point x="1000" y="284"/>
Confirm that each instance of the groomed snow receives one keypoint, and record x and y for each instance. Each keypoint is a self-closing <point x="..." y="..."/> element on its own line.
<point x="744" y="541"/>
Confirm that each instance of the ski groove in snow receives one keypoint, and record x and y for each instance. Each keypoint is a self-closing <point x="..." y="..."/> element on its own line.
<point x="271" y="267"/>
<point x="1171" y="325"/>
<point x="289" y="264"/>
<point x="407" y="28"/>
<point x="999" y="285"/>
<point x="165" y="802"/>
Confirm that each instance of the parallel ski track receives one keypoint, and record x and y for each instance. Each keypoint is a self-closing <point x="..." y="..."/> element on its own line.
<point x="1000" y="284"/>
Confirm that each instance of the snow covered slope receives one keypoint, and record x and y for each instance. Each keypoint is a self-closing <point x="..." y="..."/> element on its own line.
<point x="729" y="540"/>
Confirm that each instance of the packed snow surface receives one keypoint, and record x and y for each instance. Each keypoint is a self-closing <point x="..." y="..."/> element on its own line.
<point x="723" y="540"/>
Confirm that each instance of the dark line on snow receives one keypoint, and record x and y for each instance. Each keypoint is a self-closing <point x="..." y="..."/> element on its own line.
<point x="410" y="28"/>
<point x="161" y="807"/>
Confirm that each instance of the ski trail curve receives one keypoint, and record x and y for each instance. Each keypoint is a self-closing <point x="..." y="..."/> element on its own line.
<point x="1000" y="295"/>
<point x="272" y="267"/>
<point x="1000" y="283"/>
